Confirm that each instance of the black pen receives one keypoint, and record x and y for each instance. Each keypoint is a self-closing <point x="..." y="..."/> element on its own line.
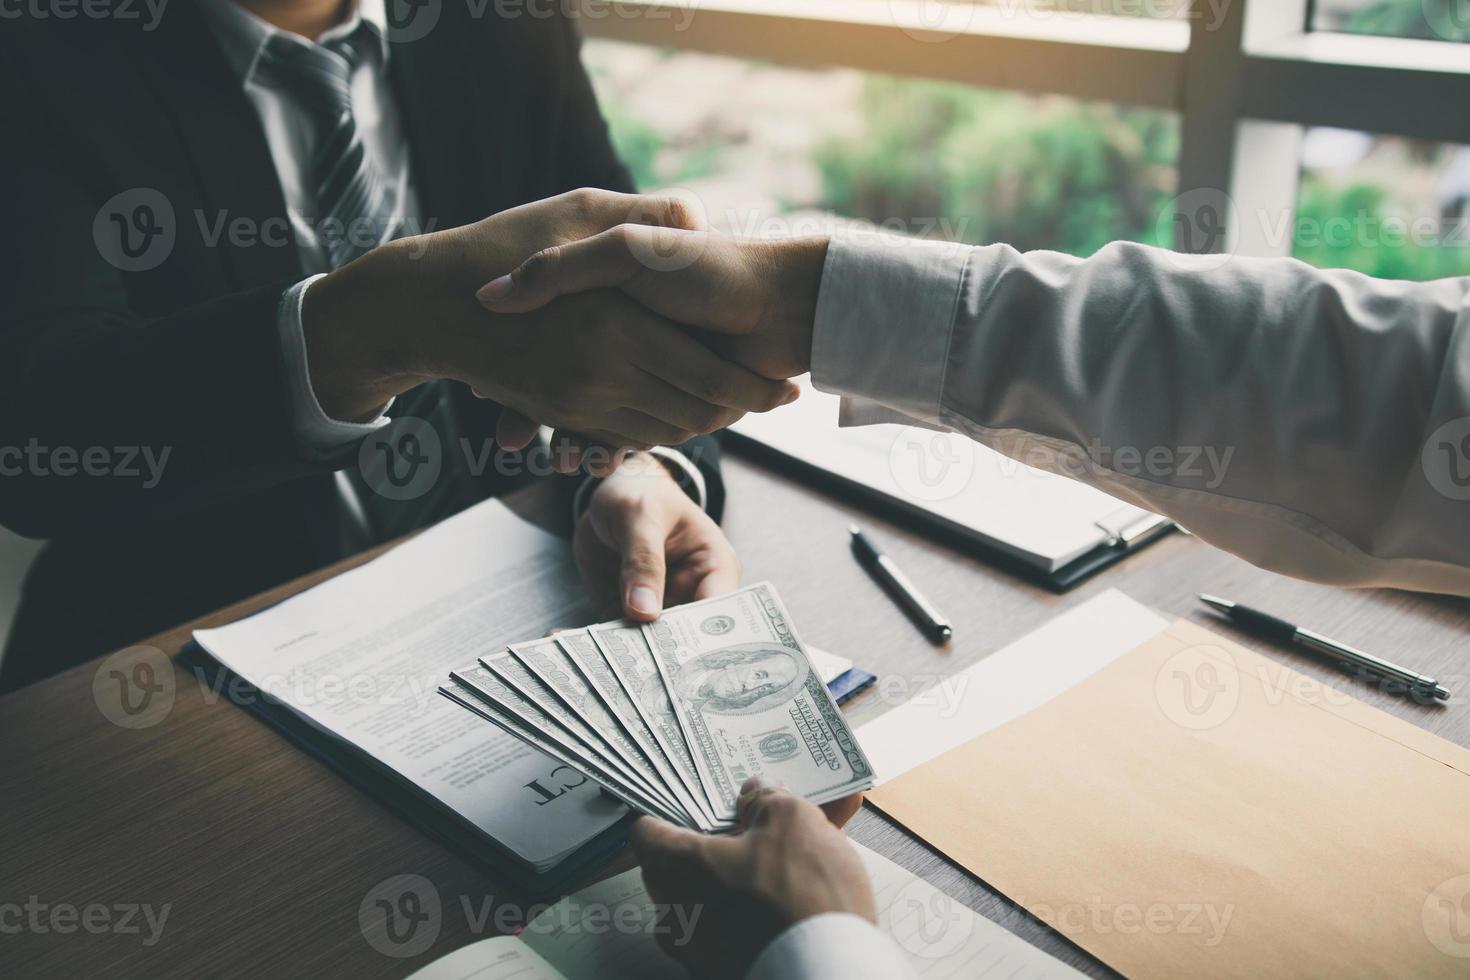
<point x="1345" y="656"/>
<point x="881" y="567"/>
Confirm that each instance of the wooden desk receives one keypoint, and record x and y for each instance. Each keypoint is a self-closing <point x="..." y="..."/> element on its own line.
<point x="262" y="855"/>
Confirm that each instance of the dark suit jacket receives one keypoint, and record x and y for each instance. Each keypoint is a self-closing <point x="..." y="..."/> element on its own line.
<point x="184" y="357"/>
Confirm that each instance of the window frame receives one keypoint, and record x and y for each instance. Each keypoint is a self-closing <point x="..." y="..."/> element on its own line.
<point x="1246" y="77"/>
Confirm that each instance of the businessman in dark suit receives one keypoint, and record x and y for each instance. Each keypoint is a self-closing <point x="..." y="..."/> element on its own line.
<point x="241" y="244"/>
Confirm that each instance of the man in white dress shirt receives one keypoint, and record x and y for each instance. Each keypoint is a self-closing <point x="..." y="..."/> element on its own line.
<point x="1341" y="402"/>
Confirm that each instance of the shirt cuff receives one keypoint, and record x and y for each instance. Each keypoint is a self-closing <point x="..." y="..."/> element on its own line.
<point x="885" y="314"/>
<point x="835" y="945"/>
<point x="317" y="433"/>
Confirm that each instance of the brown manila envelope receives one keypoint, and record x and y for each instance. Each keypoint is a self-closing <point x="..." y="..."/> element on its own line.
<point x="1197" y="810"/>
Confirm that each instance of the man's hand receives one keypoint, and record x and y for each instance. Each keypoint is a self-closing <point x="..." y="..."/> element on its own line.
<point x="761" y="296"/>
<point x="643" y="543"/>
<point x="405" y="313"/>
<point x="789" y="862"/>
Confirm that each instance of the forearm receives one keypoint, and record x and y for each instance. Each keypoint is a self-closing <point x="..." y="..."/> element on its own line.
<point x="1279" y="411"/>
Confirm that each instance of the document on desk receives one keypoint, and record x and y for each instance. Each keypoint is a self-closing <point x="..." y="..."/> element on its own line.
<point x="608" y="930"/>
<point x="361" y="657"/>
<point x="1192" y="808"/>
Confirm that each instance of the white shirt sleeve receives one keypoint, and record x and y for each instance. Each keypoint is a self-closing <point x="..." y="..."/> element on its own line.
<point x="1313" y="422"/>
<point x="317" y="433"/>
<point x="834" y="946"/>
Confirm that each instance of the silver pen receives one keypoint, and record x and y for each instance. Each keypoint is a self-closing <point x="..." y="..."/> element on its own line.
<point x="1268" y="626"/>
<point x="934" y="623"/>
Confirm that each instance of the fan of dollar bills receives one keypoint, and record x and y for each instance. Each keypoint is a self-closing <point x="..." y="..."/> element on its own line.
<point x="672" y="716"/>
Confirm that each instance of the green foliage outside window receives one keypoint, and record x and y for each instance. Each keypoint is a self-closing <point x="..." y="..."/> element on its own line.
<point x="1428" y="20"/>
<point x="994" y="166"/>
<point x="1356" y="227"/>
<point x="981" y="166"/>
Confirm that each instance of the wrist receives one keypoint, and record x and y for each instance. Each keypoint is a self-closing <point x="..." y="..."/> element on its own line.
<point x="643" y="472"/>
<point x="797" y="276"/>
<point x="350" y="326"/>
<point x="638" y="474"/>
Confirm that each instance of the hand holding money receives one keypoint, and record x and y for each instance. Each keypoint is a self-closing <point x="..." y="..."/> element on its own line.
<point x="673" y="716"/>
<point x="788" y="863"/>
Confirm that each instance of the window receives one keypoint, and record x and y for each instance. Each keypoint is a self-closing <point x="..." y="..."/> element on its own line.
<point x="1389" y="207"/>
<point x="933" y="159"/>
<point x="1054" y="9"/>
<point x="1060" y="123"/>
<point x="1429" y="20"/>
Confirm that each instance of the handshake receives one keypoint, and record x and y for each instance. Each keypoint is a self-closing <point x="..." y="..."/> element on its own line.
<point x="620" y="320"/>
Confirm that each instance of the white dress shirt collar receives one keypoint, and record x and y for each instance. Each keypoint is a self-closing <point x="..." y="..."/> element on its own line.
<point x="242" y="35"/>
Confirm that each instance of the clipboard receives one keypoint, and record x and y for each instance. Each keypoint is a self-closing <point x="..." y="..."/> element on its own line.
<point x="1038" y="526"/>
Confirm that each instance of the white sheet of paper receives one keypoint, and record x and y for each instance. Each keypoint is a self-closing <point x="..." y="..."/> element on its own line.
<point x="363" y="654"/>
<point x="1039" y="517"/>
<point x="944" y="938"/>
<point x="1008" y="683"/>
<point x="496" y="958"/>
<point x="829" y="666"/>
<point x="605" y="932"/>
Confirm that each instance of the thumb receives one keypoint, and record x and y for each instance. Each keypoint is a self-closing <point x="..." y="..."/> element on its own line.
<point x="606" y="260"/>
<point x="656" y="841"/>
<point x="757" y="793"/>
<point x="641" y="544"/>
<point x="662" y="849"/>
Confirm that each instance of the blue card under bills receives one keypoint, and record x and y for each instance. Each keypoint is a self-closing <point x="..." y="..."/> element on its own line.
<point x="846" y="686"/>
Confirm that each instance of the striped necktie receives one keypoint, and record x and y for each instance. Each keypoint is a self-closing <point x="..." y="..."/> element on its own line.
<point x="354" y="210"/>
<point x="354" y="215"/>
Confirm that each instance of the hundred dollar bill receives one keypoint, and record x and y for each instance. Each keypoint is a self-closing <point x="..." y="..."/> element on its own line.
<point x="553" y="667"/>
<point x="530" y="687"/>
<point x="528" y="722"/>
<point x="627" y="653"/>
<point x="583" y="651"/>
<point x="749" y="701"/>
<point x="480" y="691"/>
